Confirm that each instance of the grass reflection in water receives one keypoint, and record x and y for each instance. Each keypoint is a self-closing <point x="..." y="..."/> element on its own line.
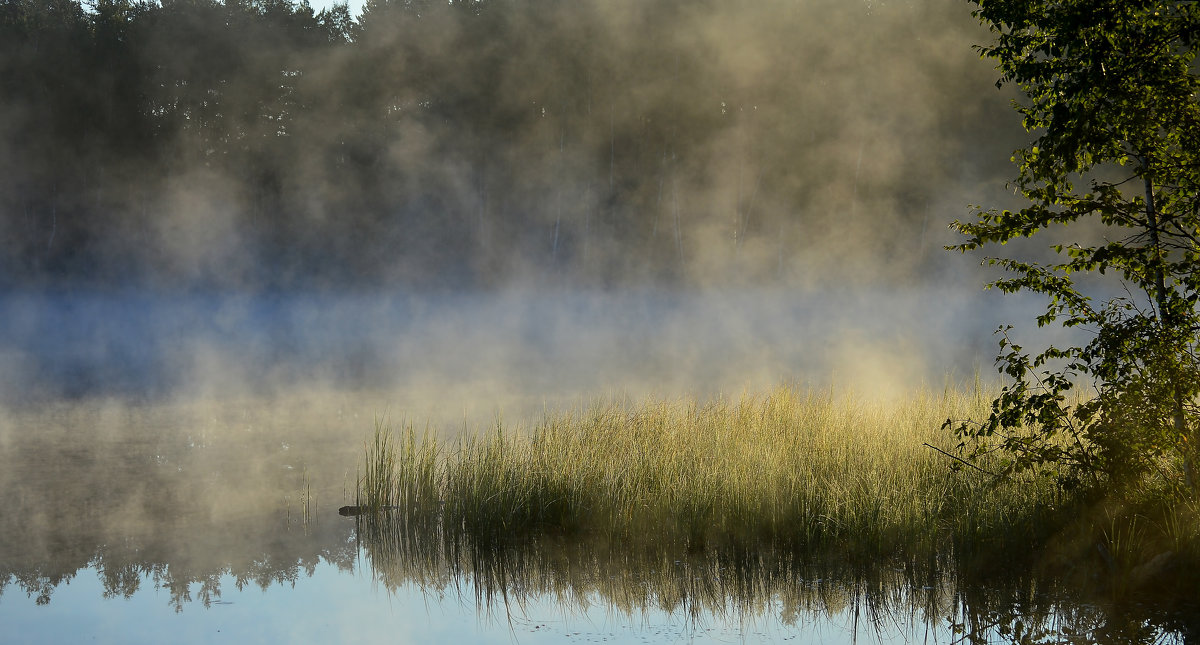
<point x="503" y="574"/>
<point x="796" y="504"/>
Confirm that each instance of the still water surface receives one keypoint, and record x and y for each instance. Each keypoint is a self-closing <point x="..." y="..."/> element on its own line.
<point x="332" y="605"/>
<point x="172" y="469"/>
<point x="217" y="523"/>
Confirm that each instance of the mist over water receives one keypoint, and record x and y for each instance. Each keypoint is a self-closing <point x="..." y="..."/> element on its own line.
<point x="445" y="357"/>
<point x="237" y="235"/>
<point x="487" y="207"/>
<point x="497" y="144"/>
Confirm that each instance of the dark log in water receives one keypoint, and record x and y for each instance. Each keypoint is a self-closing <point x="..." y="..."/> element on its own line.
<point x="351" y="511"/>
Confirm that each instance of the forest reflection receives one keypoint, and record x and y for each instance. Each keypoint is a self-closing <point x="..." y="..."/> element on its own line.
<point x="195" y="561"/>
<point x="919" y="601"/>
<point x="194" y="500"/>
<point x="172" y="495"/>
<point x="191" y="564"/>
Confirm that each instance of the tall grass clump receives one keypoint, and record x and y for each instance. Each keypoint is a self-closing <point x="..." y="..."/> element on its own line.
<point x="796" y="469"/>
<point x="400" y="472"/>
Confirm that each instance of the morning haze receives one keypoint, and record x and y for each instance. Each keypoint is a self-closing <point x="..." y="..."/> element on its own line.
<point x="495" y="144"/>
<point x="236" y="234"/>
<point x="222" y="168"/>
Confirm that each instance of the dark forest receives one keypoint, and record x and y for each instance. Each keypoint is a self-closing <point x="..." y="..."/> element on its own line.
<point x="264" y="144"/>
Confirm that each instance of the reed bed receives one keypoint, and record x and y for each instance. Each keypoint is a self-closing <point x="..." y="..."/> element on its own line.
<point x="801" y="470"/>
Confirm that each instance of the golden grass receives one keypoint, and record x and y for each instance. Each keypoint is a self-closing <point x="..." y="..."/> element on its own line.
<point x="793" y="469"/>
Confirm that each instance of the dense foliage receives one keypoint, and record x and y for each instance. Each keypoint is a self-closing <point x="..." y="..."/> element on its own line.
<point x="467" y="143"/>
<point x="1110" y="89"/>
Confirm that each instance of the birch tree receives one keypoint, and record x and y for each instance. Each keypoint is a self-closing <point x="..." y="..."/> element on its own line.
<point x="1110" y="94"/>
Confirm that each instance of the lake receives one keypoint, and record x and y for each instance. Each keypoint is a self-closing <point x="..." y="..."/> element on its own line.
<point x="173" y="466"/>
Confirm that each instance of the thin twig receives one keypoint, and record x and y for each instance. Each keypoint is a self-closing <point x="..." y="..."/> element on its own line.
<point x="962" y="461"/>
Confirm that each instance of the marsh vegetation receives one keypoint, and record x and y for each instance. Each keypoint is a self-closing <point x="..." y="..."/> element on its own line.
<point x="823" y="478"/>
<point x="467" y="207"/>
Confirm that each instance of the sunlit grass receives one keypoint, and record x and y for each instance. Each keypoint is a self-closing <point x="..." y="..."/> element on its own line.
<point x="794" y="469"/>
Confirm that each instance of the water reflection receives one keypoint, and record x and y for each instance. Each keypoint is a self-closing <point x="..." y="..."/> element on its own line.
<point x="197" y="500"/>
<point x="177" y="495"/>
<point x="916" y="601"/>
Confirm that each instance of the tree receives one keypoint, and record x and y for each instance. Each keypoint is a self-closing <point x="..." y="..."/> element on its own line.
<point x="1110" y="91"/>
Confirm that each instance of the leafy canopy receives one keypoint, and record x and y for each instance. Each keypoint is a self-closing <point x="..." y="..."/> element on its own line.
<point x="1110" y="93"/>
